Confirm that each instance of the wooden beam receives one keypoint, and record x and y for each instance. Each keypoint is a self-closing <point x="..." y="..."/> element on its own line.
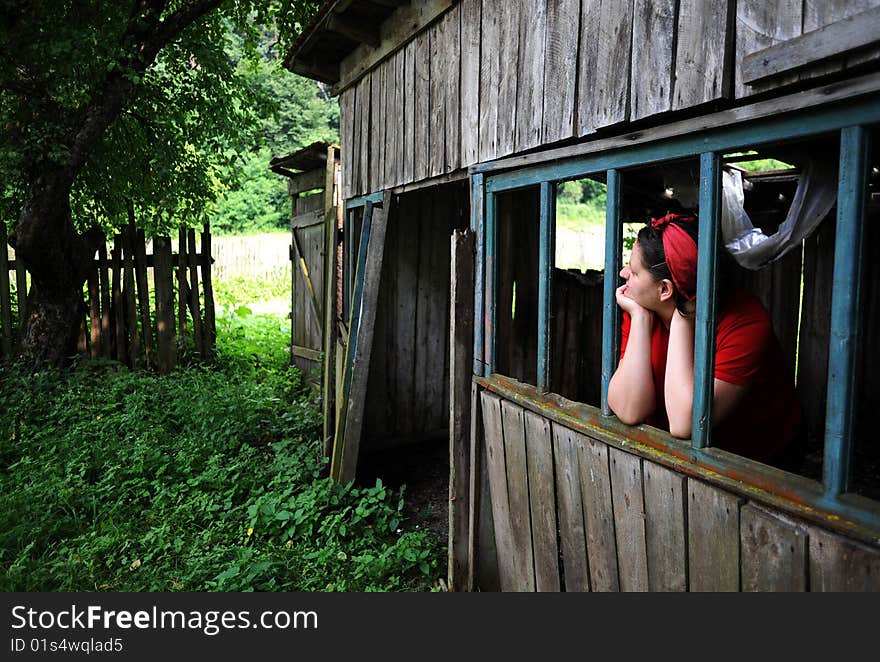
<point x="348" y="28"/>
<point x="854" y="32"/>
<point x="461" y="349"/>
<point x="316" y="69"/>
<point x="306" y="181"/>
<point x="396" y="31"/>
<point x="357" y="357"/>
<point x="306" y="353"/>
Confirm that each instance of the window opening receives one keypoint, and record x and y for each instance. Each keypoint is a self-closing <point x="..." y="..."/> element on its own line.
<point x="516" y="282"/>
<point x="577" y="290"/>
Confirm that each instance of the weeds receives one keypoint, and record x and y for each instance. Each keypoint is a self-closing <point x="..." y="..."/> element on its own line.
<point x="203" y="479"/>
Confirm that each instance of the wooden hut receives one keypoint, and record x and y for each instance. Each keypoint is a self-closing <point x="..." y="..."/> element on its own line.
<point x="459" y="122"/>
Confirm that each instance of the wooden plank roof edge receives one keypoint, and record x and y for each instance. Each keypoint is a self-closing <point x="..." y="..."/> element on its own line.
<point x="304" y="42"/>
<point x="316" y="151"/>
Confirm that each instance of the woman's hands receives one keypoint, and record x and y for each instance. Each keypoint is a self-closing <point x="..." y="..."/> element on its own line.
<point x="628" y="305"/>
<point x="631" y="390"/>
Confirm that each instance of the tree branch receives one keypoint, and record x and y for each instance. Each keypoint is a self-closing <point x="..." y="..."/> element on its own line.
<point x="119" y="86"/>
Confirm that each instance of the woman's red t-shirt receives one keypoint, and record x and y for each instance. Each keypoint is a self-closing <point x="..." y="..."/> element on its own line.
<point x="747" y="353"/>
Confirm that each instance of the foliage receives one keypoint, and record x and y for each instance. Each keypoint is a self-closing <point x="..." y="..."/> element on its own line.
<point x="192" y="111"/>
<point x="203" y="479"/>
<point x="299" y="112"/>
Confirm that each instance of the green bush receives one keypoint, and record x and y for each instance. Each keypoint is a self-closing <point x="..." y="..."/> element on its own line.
<point x="203" y="479"/>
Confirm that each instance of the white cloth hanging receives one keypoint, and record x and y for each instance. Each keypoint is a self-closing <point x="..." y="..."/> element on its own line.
<point x="815" y="195"/>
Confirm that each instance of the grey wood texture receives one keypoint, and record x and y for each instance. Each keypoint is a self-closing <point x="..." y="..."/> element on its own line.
<point x="378" y="138"/>
<point x="360" y="361"/>
<point x="471" y="11"/>
<point x="560" y="69"/>
<point x="305" y="205"/>
<point x="399" y="29"/>
<point x="838" y="564"/>
<point x="461" y="343"/>
<point x="713" y="538"/>
<point x="497" y="472"/>
<point x="665" y="528"/>
<point x="836" y="39"/>
<point x="397" y="115"/>
<point x="522" y="561"/>
<point x="490" y="68"/>
<point x="760" y="25"/>
<point x="530" y="74"/>
<point x="508" y="53"/>
<point x="774" y="552"/>
<point x="143" y="293"/>
<point x="130" y="297"/>
<point x="818" y="14"/>
<point x="542" y="501"/>
<point x="423" y="107"/>
<point x="598" y="514"/>
<point x="306" y="181"/>
<point x="346" y="131"/>
<point x="484" y="565"/>
<point x="629" y="520"/>
<point x="332" y="216"/>
<point x="704" y="36"/>
<point x="166" y="340"/>
<point x="409" y="110"/>
<point x="572" y="536"/>
<point x="450" y="28"/>
<point x="606" y="34"/>
<point x="436" y="119"/>
<point x="364" y="95"/>
<point x="653" y="40"/>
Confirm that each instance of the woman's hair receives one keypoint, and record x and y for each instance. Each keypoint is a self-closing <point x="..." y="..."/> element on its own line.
<point x="653" y="256"/>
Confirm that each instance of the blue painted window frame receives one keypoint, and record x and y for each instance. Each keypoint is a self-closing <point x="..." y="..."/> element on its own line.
<point x="849" y="121"/>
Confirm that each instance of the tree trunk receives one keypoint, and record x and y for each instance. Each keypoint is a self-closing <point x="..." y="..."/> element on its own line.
<point x="57" y="259"/>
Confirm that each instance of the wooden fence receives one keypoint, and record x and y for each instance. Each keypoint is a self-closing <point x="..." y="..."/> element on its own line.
<point x="120" y="320"/>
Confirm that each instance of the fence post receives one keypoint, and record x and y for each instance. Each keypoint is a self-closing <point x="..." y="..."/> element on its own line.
<point x="208" y="288"/>
<point x="131" y="313"/>
<point x="118" y="305"/>
<point x="164" y="304"/>
<point x="104" y="278"/>
<point x="143" y="293"/>
<point x="195" y="310"/>
<point x="182" y="290"/>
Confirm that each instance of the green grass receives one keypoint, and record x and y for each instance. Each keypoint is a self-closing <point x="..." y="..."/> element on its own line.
<point x="209" y="478"/>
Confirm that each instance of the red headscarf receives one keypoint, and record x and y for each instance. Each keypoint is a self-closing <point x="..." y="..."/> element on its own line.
<point x="681" y="252"/>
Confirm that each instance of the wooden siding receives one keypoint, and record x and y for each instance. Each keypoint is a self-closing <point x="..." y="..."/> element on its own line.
<point x="627" y="523"/>
<point x="487" y="79"/>
<point x="408" y="391"/>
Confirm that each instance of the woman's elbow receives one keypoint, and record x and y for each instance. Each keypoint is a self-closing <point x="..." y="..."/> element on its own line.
<point x="680" y="425"/>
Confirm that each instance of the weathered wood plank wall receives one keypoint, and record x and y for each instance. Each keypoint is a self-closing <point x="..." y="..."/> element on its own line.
<point x="633" y="524"/>
<point x="489" y="79"/>
<point x="408" y="391"/>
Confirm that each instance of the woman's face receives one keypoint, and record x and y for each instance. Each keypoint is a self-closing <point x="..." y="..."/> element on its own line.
<point x="640" y="284"/>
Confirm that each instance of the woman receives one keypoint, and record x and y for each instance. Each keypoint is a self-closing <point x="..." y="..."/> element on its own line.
<point x="755" y="411"/>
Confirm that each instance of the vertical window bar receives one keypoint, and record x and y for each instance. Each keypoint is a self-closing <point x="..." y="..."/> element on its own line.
<point x="704" y="332"/>
<point x="610" y="314"/>
<point x="477" y="225"/>
<point x="491" y="280"/>
<point x="545" y="275"/>
<point x="845" y="309"/>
